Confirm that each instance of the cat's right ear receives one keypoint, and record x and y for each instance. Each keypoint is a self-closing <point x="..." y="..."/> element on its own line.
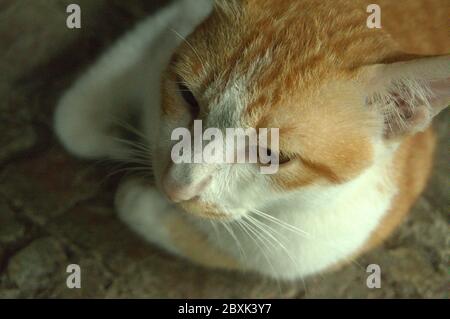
<point x="408" y="94"/>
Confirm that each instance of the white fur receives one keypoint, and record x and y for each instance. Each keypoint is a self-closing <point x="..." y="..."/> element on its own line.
<point x="144" y="209"/>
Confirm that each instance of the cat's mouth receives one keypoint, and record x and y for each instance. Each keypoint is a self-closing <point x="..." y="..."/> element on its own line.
<point x="205" y="210"/>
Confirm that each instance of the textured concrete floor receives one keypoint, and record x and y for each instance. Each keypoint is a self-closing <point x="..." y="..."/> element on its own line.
<point x="56" y="210"/>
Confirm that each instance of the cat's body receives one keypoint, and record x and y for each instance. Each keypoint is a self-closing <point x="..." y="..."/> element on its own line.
<point x="349" y="180"/>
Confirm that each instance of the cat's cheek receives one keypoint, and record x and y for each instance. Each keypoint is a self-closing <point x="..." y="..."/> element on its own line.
<point x="292" y="177"/>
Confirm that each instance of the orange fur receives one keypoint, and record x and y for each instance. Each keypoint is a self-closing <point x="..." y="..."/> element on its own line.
<point x="410" y="170"/>
<point x="204" y="210"/>
<point x="195" y="246"/>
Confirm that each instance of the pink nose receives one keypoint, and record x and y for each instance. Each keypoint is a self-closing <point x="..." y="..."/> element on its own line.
<point x="180" y="193"/>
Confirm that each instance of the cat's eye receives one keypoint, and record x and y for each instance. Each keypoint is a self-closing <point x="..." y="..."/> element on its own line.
<point x="282" y="158"/>
<point x="190" y="99"/>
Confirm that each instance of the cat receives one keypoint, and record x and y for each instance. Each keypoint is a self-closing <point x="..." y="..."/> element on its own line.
<point x="353" y="112"/>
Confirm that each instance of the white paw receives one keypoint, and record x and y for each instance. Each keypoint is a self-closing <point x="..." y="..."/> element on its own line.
<point x="144" y="209"/>
<point x="130" y="193"/>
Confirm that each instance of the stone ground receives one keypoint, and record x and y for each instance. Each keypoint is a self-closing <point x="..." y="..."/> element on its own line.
<point x="56" y="210"/>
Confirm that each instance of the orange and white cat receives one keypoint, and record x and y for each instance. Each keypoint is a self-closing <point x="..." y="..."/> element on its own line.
<point x="352" y="109"/>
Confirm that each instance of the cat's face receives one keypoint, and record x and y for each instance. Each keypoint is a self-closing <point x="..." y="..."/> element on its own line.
<point x="249" y="68"/>
<point x="231" y="74"/>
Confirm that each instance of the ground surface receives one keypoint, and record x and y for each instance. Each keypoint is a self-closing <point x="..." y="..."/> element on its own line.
<point x="56" y="210"/>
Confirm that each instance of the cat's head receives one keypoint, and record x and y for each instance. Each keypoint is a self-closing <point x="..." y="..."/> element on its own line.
<point x="340" y="94"/>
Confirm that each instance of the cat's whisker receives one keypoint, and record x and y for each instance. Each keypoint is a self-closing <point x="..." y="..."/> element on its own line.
<point x="190" y="45"/>
<point x="261" y="235"/>
<point x="140" y="162"/>
<point x="244" y="229"/>
<point x="128" y="170"/>
<point x="135" y="151"/>
<point x="134" y="144"/>
<point x="260" y="226"/>
<point x="103" y="162"/>
<point x="266" y="228"/>
<point x="229" y="229"/>
<point x="116" y="164"/>
<point x="280" y="222"/>
<point x="270" y="231"/>
<point x="135" y="157"/>
<point x="128" y="127"/>
<point x="296" y="230"/>
<point x="247" y="228"/>
<point x="216" y="231"/>
<point x="258" y="237"/>
<point x="270" y="228"/>
<point x="133" y="154"/>
<point x="131" y="169"/>
<point x="133" y="160"/>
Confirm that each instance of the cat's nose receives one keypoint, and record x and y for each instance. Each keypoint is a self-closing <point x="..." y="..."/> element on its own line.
<point x="178" y="192"/>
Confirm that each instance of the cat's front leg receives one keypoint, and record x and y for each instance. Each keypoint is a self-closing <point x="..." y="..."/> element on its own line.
<point x="145" y="210"/>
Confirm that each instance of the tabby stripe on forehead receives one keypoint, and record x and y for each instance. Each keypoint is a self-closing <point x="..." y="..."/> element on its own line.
<point x="244" y="55"/>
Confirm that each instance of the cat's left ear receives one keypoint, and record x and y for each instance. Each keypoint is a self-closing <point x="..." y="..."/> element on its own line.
<point x="408" y="94"/>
